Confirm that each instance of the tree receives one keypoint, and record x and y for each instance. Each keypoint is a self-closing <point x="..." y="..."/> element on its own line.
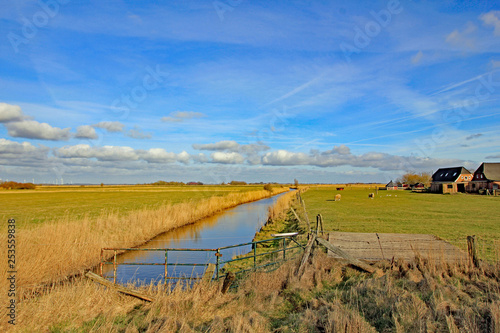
<point x="412" y="178"/>
<point x="296" y="182"/>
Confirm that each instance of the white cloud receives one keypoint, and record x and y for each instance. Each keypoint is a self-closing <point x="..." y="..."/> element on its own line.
<point x="136" y="133"/>
<point x="32" y="129"/>
<point x="179" y="116"/>
<point x="12" y="147"/>
<point x="10" y="112"/>
<point x="121" y="153"/>
<point x="283" y="157"/>
<point x="158" y="155"/>
<point x="231" y="146"/>
<point x="105" y="153"/>
<point x="110" y="126"/>
<point x="227" y="158"/>
<point x="341" y="156"/>
<point x="86" y="132"/>
<point x="492" y="18"/>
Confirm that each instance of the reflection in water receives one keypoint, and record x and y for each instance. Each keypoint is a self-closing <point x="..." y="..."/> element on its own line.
<point x="234" y="226"/>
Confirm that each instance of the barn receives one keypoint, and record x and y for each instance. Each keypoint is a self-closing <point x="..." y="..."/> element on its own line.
<point x="486" y="177"/>
<point x="450" y="180"/>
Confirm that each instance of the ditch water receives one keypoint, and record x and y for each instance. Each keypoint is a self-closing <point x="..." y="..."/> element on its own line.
<point x="233" y="226"/>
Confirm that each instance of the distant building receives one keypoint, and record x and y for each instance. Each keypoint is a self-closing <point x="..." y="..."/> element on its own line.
<point x="486" y="177"/>
<point x="391" y="186"/>
<point x="450" y="180"/>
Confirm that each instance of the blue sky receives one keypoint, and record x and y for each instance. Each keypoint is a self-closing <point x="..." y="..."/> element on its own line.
<point x="214" y="91"/>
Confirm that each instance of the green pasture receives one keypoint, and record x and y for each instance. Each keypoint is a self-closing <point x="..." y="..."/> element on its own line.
<point x="47" y="203"/>
<point x="450" y="217"/>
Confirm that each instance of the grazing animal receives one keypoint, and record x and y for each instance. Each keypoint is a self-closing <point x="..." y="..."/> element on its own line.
<point x="371" y="195"/>
<point x="337" y="197"/>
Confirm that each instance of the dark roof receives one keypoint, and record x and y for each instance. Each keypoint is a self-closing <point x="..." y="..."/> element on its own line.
<point x="448" y="174"/>
<point x="390" y="184"/>
<point x="490" y="170"/>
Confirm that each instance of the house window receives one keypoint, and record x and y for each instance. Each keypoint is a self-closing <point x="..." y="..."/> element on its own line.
<point x="446" y="174"/>
<point x="454" y="174"/>
<point x="450" y="186"/>
<point x="441" y="175"/>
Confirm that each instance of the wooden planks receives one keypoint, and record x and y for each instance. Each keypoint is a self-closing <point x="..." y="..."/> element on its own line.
<point x="367" y="246"/>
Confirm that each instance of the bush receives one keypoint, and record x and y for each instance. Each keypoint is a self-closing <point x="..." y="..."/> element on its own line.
<point x="268" y="187"/>
<point x="17" y="186"/>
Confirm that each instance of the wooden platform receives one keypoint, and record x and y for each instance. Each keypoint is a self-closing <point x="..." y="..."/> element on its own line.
<point x="367" y="246"/>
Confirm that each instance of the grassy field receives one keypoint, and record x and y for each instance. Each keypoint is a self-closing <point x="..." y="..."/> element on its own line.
<point x="450" y="217"/>
<point x="60" y="230"/>
<point x="48" y="203"/>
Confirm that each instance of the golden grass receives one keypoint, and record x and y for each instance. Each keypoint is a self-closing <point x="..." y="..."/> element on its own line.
<point x="53" y="251"/>
<point x="329" y="297"/>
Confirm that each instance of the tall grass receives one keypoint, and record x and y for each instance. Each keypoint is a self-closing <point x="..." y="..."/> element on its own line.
<point x="53" y="251"/>
<point x="329" y="297"/>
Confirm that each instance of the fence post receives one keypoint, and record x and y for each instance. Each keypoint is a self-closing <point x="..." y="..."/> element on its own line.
<point x="217" y="254"/>
<point x="471" y="249"/>
<point x="102" y="264"/>
<point x="114" y="267"/>
<point x="284" y="248"/>
<point x="254" y="255"/>
<point x="166" y="265"/>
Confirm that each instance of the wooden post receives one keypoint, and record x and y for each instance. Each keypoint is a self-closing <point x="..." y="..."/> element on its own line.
<point x="228" y="281"/>
<point x="96" y="278"/>
<point x="298" y="219"/>
<point x="471" y="249"/>
<point x="305" y="257"/>
<point x="209" y="273"/>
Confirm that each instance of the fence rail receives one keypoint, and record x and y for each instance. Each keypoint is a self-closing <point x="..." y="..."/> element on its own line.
<point x="287" y="244"/>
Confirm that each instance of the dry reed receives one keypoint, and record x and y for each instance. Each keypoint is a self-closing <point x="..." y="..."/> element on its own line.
<point x="53" y="251"/>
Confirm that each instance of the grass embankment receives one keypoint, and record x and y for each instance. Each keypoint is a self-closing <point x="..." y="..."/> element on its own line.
<point x="329" y="297"/>
<point x="50" y="251"/>
<point x="450" y="217"/>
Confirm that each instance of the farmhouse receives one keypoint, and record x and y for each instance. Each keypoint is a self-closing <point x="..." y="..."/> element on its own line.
<point x="450" y="180"/>
<point x="486" y="177"/>
<point x="391" y="186"/>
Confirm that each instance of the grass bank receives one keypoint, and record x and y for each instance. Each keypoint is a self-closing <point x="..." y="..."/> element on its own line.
<point x="329" y="297"/>
<point x="450" y="217"/>
<point x="53" y="250"/>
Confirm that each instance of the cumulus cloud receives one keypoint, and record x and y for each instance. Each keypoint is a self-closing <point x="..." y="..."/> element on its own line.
<point x="179" y="116"/>
<point x="492" y="18"/>
<point x="160" y="155"/>
<point x="86" y="132"/>
<point x="121" y="153"/>
<point x="10" y="113"/>
<point x="110" y="126"/>
<point x="21" y="154"/>
<point x="32" y="129"/>
<point x="341" y="156"/>
<point x="227" y="158"/>
<point x="136" y="133"/>
<point x="231" y="146"/>
<point x="104" y="153"/>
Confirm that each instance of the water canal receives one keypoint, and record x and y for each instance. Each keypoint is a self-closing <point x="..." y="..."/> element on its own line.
<point x="234" y="226"/>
